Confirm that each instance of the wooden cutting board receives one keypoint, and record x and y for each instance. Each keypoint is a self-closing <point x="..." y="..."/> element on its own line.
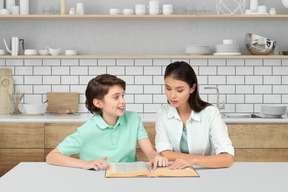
<point x="6" y="87"/>
<point x="61" y="101"/>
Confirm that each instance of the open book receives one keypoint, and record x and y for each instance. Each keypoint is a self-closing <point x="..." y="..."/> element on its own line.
<point x="142" y="168"/>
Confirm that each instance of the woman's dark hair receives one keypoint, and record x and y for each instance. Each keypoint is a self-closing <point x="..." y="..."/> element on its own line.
<point x="98" y="87"/>
<point x="182" y="71"/>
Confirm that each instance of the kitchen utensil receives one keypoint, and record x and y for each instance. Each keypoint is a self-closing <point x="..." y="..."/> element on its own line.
<point x="167" y="9"/>
<point x="34" y="108"/>
<point x="285" y="3"/>
<point x="238" y="115"/>
<point x="63" y="7"/>
<point x="15" y="10"/>
<point x="15" y="100"/>
<point x="54" y="51"/>
<point x="62" y="101"/>
<point x="15" y="45"/>
<point x="258" y="45"/>
<point x="127" y="11"/>
<point x="262" y="9"/>
<point x="273" y="111"/>
<point x="6" y="88"/>
<point x="221" y="54"/>
<point x="197" y="50"/>
<point x="114" y="11"/>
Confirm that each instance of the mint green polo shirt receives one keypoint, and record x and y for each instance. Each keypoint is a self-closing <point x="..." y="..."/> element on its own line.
<point x="96" y="139"/>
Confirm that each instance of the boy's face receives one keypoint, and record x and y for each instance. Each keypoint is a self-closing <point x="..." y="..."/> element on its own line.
<point x="113" y="103"/>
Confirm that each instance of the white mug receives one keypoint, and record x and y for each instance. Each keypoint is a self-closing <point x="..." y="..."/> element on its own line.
<point x="167" y="9"/>
<point x="114" y="11"/>
<point x="154" y="11"/>
<point x="128" y="11"/>
<point x="154" y="4"/>
<point x="140" y="6"/>
<point x="229" y="41"/>
<point x="15" y="10"/>
<point x="79" y="9"/>
<point x="262" y="9"/>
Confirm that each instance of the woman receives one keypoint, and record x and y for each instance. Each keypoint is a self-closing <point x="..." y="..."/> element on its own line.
<point x="110" y="135"/>
<point x="189" y="130"/>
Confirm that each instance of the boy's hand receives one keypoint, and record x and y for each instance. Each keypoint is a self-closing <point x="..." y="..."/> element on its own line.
<point x="96" y="164"/>
<point x="158" y="161"/>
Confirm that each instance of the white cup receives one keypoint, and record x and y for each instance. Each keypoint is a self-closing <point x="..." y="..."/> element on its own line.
<point x="114" y="11"/>
<point x="70" y="52"/>
<point x="79" y="9"/>
<point x="2" y="52"/>
<point x="140" y="11"/>
<point x="154" y="4"/>
<point x="229" y="41"/>
<point x="154" y="11"/>
<point x="262" y="9"/>
<point x="167" y="9"/>
<point x="15" y="10"/>
<point x="140" y="6"/>
<point x="128" y="11"/>
<point x="4" y="12"/>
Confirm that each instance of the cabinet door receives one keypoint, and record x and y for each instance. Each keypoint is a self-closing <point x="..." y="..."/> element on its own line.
<point x="259" y="135"/>
<point x="21" y="135"/>
<point x="150" y="129"/>
<point x="11" y="157"/>
<point x="261" y="155"/>
<point x="55" y="133"/>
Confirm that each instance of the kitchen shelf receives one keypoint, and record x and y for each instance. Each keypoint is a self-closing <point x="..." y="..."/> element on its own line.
<point x="141" y="16"/>
<point x="146" y="57"/>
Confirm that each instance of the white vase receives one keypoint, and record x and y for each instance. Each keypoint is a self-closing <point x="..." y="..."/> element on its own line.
<point x="285" y="3"/>
<point x="254" y="6"/>
<point x="24" y="7"/>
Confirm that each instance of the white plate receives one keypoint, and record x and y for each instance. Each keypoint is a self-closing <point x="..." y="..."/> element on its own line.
<point x="227" y="54"/>
<point x="257" y="13"/>
<point x="238" y="115"/>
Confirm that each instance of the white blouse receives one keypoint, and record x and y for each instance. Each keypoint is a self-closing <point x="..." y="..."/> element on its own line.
<point x="207" y="133"/>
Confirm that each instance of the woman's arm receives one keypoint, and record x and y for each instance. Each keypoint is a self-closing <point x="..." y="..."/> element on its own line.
<point x="183" y="160"/>
<point x="155" y="158"/>
<point x="57" y="158"/>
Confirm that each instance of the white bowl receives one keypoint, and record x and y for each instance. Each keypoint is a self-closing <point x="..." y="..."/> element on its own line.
<point x="197" y="49"/>
<point x="54" y="51"/>
<point x="30" y="52"/>
<point x="35" y="108"/>
<point x="273" y="111"/>
<point x="43" y="52"/>
<point x="70" y="52"/>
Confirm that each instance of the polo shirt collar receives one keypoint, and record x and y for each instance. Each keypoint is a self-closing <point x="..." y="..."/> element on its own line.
<point x="173" y="113"/>
<point x="103" y="125"/>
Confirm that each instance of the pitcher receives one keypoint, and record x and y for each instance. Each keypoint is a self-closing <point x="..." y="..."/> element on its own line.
<point x="15" y="45"/>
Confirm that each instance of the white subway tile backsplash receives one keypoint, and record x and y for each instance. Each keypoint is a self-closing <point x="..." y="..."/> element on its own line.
<point x="51" y="62"/>
<point x="32" y="98"/>
<point x="272" y="62"/>
<point x="143" y="98"/>
<point x="83" y="109"/>
<point x="253" y="99"/>
<point x="107" y="62"/>
<point x="14" y="62"/>
<point x="272" y="99"/>
<point x="244" y="84"/>
<point x="254" y="62"/>
<point x="83" y="70"/>
<point x="2" y="62"/>
<point x="263" y="70"/>
<point x="116" y="70"/>
<point x="88" y="62"/>
<point x="23" y="71"/>
<point x="134" y="71"/>
<point x="97" y="70"/>
<point x="32" y="80"/>
<point x="125" y="62"/>
<point x="67" y="80"/>
<point x="235" y="62"/>
<point x="42" y="70"/>
<point x="207" y="70"/>
<point x="143" y="80"/>
<point x="143" y="62"/>
<point x="32" y="62"/>
<point x="41" y="89"/>
<point x="244" y="71"/>
<point x="152" y="70"/>
<point x="52" y="80"/>
<point x="60" y="70"/>
<point x="70" y="62"/>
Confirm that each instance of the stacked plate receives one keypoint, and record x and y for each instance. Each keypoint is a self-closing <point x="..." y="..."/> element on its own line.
<point x="228" y="48"/>
<point x="197" y="49"/>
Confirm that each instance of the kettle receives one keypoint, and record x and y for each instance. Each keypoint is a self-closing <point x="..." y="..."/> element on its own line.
<point x="15" y="44"/>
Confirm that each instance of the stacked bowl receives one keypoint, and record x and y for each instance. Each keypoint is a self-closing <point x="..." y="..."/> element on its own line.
<point x="197" y="49"/>
<point x="229" y="47"/>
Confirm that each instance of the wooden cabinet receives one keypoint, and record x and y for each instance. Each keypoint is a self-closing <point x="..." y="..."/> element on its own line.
<point x="20" y="142"/>
<point x="32" y="142"/>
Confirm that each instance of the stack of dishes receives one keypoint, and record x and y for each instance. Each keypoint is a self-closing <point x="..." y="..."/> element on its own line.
<point x="197" y="49"/>
<point x="229" y="47"/>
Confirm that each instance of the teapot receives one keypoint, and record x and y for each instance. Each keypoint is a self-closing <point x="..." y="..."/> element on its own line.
<point x="15" y="45"/>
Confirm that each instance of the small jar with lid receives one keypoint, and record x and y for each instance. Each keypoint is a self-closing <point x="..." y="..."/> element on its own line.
<point x="72" y="11"/>
<point x="272" y="11"/>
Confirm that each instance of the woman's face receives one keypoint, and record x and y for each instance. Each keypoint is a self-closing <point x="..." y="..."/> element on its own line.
<point x="177" y="91"/>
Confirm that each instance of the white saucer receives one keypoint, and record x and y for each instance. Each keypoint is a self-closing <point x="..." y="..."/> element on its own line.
<point x="227" y="54"/>
<point x="257" y="13"/>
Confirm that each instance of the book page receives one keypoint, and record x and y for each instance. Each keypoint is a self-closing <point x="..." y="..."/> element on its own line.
<point x="130" y="167"/>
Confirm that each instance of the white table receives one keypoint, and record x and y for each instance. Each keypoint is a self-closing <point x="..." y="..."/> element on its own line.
<point x="248" y="177"/>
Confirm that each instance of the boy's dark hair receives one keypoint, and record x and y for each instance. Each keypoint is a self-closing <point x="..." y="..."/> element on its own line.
<point x="98" y="87"/>
<point x="182" y="71"/>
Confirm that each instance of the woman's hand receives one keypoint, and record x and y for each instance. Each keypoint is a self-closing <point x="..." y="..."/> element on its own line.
<point x="180" y="164"/>
<point x="96" y="164"/>
<point x="158" y="161"/>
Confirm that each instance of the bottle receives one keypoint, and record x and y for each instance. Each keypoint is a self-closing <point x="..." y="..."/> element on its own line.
<point x="72" y="11"/>
<point x="272" y="11"/>
<point x="63" y="7"/>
